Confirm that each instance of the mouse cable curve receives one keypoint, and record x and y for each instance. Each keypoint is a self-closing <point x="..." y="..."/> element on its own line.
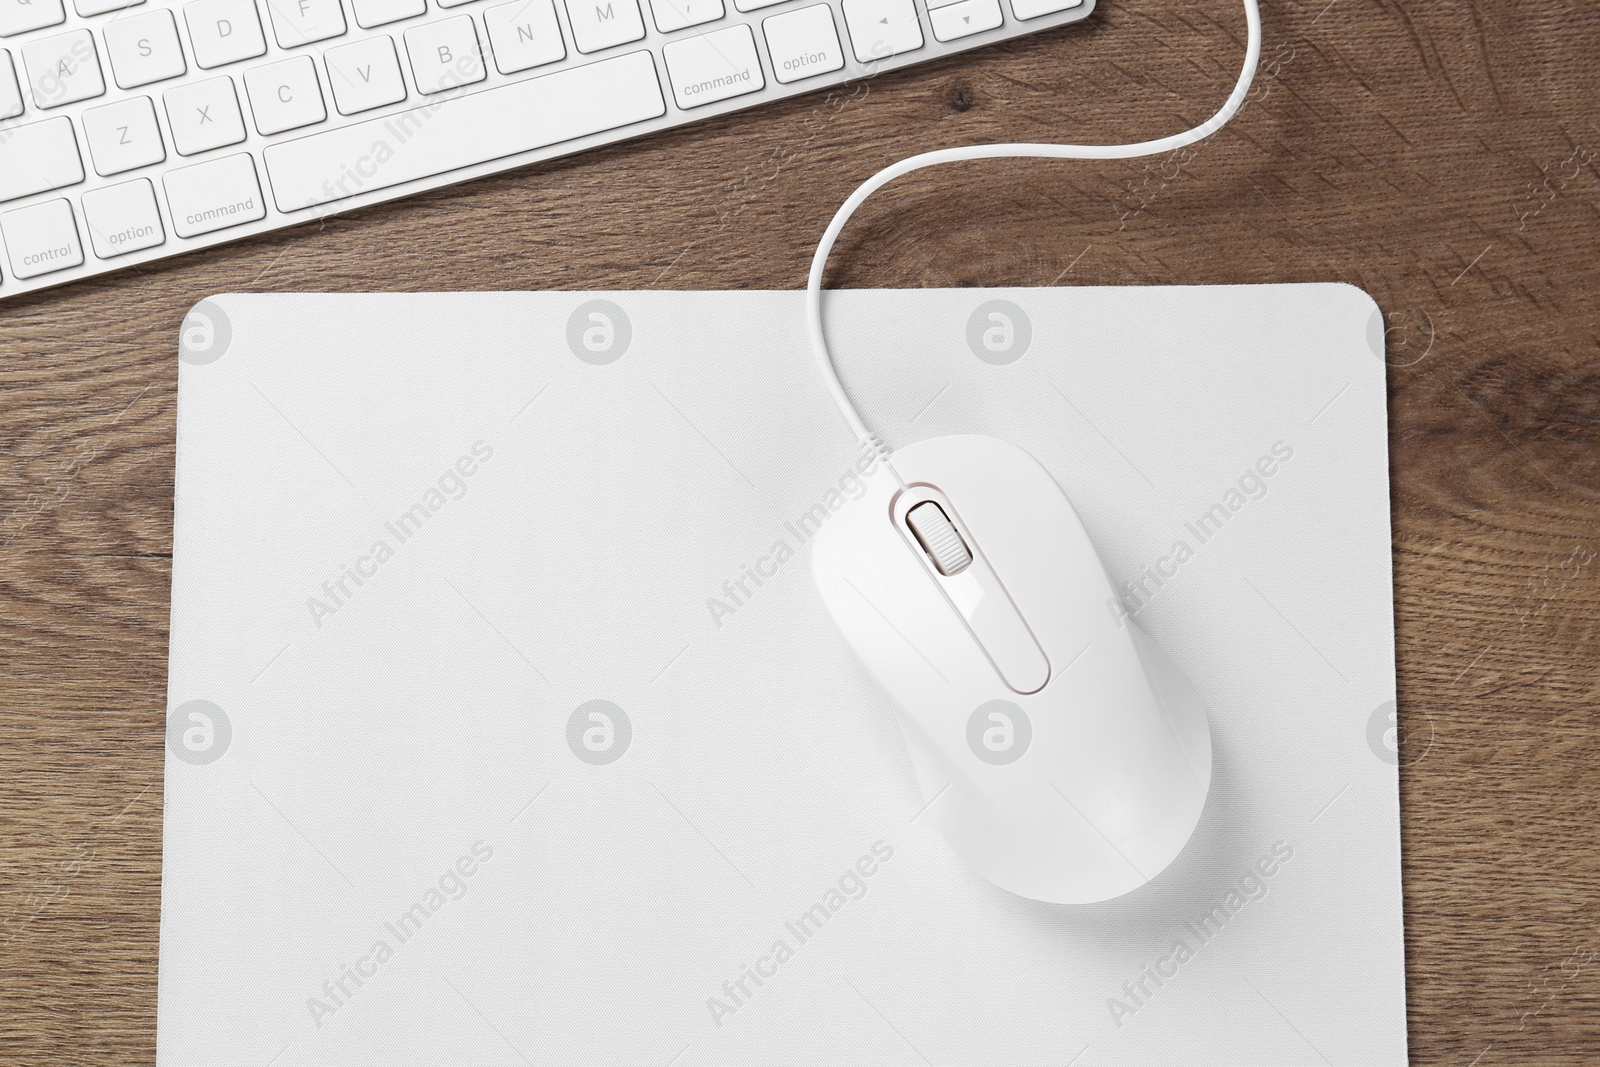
<point x="819" y="259"/>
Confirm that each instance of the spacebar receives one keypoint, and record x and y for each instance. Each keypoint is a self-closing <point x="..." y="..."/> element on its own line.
<point x="463" y="130"/>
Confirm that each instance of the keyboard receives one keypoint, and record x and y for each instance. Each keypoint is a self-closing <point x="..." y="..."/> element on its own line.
<point x="133" y="130"/>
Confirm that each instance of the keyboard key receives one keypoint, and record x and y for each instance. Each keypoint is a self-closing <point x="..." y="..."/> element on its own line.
<point x="204" y="115"/>
<point x="444" y="54"/>
<point x="476" y="128"/>
<point x="524" y="34"/>
<point x="882" y="28"/>
<point x="285" y="95"/>
<point x="598" y="24"/>
<point x="20" y="16"/>
<point x="63" y="69"/>
<point x="965" y="18"/>
<point x="803" y="43"/>
<point x="214" y="195"/>
<point x="90" y="8"/>
<point x="1032" y="9"/>
<point x="10" y="93"/>
<point x="713" y="66"/>
<point x="298" y="22"/>
<point x="37" y="157"/>
<point x="370" y="13"/>
<point x="224" y="31"/>
<point x="679" y="14"/>
<point x="41" y="238"/>
<point x="122" y="218"/>
<point x="365" y="75"/>
<point x="144" y="48"/>
<point x="123" y="136"/>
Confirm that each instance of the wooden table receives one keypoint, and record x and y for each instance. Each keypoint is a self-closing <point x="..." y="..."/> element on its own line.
<point x="1441" y="156"/>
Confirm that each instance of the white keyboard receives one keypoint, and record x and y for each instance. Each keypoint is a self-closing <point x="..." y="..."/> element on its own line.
<point x="132" y="130"/>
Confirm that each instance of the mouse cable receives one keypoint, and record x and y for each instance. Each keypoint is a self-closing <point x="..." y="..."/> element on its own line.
<point x="819" y="260"/>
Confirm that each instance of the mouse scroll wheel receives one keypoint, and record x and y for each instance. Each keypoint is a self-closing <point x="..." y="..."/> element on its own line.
<point x="939" y="538"/>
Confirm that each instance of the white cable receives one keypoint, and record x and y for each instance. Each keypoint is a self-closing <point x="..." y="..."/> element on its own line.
<point x="819" y="260"/>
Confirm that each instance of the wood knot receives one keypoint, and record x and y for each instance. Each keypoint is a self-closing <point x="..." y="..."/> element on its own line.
<point x="960" y="99"/>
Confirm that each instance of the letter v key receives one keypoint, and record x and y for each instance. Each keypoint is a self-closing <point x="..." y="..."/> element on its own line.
<point x="365" y="75"/>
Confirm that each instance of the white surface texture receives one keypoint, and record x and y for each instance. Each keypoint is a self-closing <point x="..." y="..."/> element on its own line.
<point x="591" y="881"/>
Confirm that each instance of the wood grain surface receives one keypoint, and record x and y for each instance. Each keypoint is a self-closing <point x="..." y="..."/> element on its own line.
<point x="1439" y="155"/>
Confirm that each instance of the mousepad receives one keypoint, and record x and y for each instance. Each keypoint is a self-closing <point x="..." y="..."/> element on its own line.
<point x="506" y="725"/>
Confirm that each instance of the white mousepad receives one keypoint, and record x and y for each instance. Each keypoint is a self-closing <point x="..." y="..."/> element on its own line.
<point x="506" y="725"/>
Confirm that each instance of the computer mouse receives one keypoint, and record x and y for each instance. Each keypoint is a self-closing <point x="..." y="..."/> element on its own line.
<point x="1061" y="754"/>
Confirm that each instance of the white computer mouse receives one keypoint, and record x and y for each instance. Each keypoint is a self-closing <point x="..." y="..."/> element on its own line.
<point x="1062" y="755"/>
